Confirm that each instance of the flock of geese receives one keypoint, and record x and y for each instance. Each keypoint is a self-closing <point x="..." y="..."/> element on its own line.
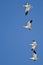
<point x="29" y="26"/>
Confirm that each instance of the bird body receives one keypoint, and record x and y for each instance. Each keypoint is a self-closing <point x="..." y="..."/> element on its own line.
<point x="34" y="57"/>
<point x="28" y="26"/>
<point x="27" y="6"/>
<point x="34" y="44"/>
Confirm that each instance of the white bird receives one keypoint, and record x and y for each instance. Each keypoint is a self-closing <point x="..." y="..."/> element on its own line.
<point x="34" y="56"/>
<point x="34" y="44"/>
<point x="27" y="6"/>
<point x="28" y="26"/>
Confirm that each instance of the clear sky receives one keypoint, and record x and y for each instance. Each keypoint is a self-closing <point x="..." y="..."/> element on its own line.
<point x="14" y="39"/>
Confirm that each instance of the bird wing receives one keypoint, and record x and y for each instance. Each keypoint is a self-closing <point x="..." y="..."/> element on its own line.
<point x="34" y="43"/>
<point x="33" y="47"/>
<point x="29" y="24"/>
<point x="34" y="55"/>
<point x="25" y="5"/>
<point x="27" y="9"/>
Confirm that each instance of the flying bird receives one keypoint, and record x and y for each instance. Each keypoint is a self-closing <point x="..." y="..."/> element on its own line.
<point x="34" y="44"/>
<point x="28" y="26"/>
<point x="34" y="56"/>
<point x="27" y="8"/>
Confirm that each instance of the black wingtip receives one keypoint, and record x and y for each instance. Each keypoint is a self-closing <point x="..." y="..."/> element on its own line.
<point x="34" y="52"/>
<point x="26" y="13"/>
<point x="30" y="21"/>
<point x="34" y="60"/>
<point x="33" y="40"/>
<point x="29" y="29"/>
<point x="31" y="49"/>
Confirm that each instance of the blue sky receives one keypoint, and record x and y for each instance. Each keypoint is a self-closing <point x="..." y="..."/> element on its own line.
<point x="14" y="39"/>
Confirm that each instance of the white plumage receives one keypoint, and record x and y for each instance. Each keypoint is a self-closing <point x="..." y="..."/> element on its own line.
<point x="34" y="57"/>
<point x="27" y="6"/>
<point x="28" y="26"/>
<point x="34" y="44"/>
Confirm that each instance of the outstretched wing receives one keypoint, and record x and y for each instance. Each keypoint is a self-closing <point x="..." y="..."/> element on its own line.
<point x="28" y="23"/>
<point x="34" y="55"/>
<point x="34" y="43"/>
<point x="27" y="9"/>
